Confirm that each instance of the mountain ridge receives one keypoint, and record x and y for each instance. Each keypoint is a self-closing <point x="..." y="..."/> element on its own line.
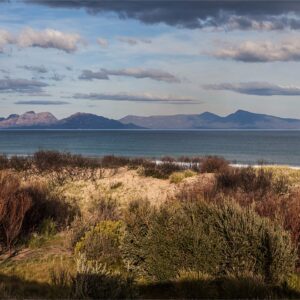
<point x="45" y="120"/>
<point x="240" y="119"/>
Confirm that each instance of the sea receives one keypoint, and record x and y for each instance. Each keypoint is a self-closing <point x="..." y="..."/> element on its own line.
<point x="237" y="146"/>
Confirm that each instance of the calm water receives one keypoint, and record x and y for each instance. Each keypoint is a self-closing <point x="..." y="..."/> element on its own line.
<point x="282" y="147"/>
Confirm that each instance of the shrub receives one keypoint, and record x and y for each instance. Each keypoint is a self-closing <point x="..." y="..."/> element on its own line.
<point x="214" y="239"/>
<point x="77" y="230"/>
<point x="94" y="281"/>
<point x="4" y="162"/>
<point x="160" y="170"/>
<point x="111" y="161"/>
<point x="101" y="243"/>
<point x="137" y="218"/>
<point x="103" y="209"/>
<point x="177" y="177"/>
<point x="247" y="180"/>
<point x="24" y="209"/>
<point x="45" y="206"/>
<point x="55" y="161"/>
<point x="213" y="164"/>
<point x="20" y="163"/>
<point x="14" y="204"/>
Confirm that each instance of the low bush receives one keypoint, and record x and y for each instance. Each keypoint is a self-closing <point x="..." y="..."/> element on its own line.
<point x="4" y="162"/>
<point x="94" y="281"/>
<point x="219" y="240"/>
<point x="55" y="161"/>
<point x="161" y="170"/>
<point x="102" y="244"/>
<point x="23" y="209"/>
<point x="177" y="177"/>
<point x="213" y="164"/>
<point x="15" y="202"/>
<point x="257" y="182"/>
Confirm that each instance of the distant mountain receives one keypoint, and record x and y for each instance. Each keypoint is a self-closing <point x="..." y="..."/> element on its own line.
<point x="45" y="120"/>
<point x="30" y="118"/>
<point x="239" y="120"/>
<point x="91" y="121"/>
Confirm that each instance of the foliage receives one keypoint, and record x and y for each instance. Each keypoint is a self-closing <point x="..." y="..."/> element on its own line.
<point x="102" y="244"/>
<point x="14" y="204"/>
<point x="178" y="177"/>
<point x="94" y="281"/>
<point x="203" y="237"/>
<point x="213" y="164"/>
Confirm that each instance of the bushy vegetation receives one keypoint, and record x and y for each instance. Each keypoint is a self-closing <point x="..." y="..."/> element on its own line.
<point x="217" y="240"/>
<point x="24" y="209"/>
<point x="232" y="233"/>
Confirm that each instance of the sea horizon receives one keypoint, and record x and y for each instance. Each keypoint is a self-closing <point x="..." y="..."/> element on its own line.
<point x="280" y="147"/>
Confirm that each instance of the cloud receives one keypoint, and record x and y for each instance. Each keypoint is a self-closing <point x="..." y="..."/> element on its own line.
<point x="153" y="74"/>
<point x="41" y="102"/>
<point x="21" y="85"/>
<point x="102" y="42"/>
<point x="49" y="38"/>
<point x="146" y="98"/>
<point x="256" y="88"/>
<point x="37" y="69"/>
<point x="6" y="38"/>
<point x="133" y="40"/>
<point x="57" y="77"/>
<point x="262" y="51"/>
<point x="229" y="14"/>
<point x="90" y="75"/>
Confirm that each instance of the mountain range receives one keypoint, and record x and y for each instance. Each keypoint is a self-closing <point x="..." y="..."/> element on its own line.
<point x="45" y="120"/>
<point x="238" y="120"/>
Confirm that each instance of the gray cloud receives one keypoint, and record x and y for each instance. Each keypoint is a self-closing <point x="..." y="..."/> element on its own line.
<point x="102" y="42"/>
<point x="230" y="14"/>
<point x="262" y="51"/>
<point x="90" y="75"/>
<point x="256" y="88"/>
<point x="153" y="74"/>
<point x="57" y="77"/>
<point x="41" y="102"/>
<point x="37" y="69"/>
<point x="133" y="40"/>
<point x="21" y="85"/>
<point x="146" y="98"/>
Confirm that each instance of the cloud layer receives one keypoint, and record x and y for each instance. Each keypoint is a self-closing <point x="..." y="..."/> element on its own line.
<point x="148" y="98"/>
<point x="153" y="74"/>
<point x="41" y="102"/>
<point x="21" y="85"/>
<point x="37" y="69"/>
<point x="256" y="88"/>
<point x="133" y="40"/>
<point x="242" y="15"/>
<point x="48" y="38"/>
<point x="262" y="51"/>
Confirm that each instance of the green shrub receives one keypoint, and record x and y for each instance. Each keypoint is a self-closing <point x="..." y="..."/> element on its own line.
<point x="102" y="244"/>
<point x="219" y="240"/>
<point x="137" y="220"/>
<point x="177" y="177"/>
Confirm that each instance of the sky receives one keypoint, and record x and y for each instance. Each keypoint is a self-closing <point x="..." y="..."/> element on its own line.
<point x="117" y="58"/>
